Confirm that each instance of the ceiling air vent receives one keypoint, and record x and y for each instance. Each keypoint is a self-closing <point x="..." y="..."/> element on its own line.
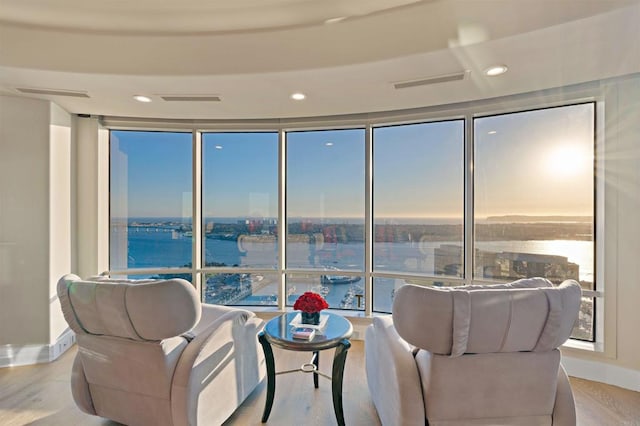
<point x="431" y="80"/>
<point x="191" y="98"/>
<point x="52" y="92"/>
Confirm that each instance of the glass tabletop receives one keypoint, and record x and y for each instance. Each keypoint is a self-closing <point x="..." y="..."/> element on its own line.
<point x="278" y="332"/>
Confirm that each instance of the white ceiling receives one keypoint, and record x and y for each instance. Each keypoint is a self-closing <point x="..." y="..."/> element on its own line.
<point x="187" y="16"/>
<point x="255" y="53"/>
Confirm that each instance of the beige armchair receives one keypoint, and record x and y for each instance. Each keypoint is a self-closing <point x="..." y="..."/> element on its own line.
<point x="151" y="354"/>
<point x="474" y="355"/>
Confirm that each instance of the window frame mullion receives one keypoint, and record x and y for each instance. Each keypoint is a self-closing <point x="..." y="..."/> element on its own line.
<point x="468" y="232"/>
<point x="282" y="218"/>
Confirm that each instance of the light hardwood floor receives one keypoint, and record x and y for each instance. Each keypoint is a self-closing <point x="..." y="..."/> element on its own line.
<point x="40" y="395"/>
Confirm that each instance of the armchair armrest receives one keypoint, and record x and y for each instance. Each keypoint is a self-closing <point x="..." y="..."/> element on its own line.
<point x="80" y="387"/>
<point x="219" y="368"/>
<point x="392" y="375"/>
<point x="211" y="313"/>
<point x="564" y="410"/>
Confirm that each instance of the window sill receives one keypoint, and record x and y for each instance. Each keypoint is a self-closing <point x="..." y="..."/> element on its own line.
<point x="582" y="346"/>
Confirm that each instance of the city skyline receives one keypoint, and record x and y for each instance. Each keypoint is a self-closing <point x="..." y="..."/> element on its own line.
<point x="508" y="217"/>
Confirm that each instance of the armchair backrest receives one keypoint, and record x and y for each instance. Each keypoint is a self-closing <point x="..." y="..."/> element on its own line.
<point x="527" y="315"/>
<point x="145" y="310"/>
<point x="130" y="343"/>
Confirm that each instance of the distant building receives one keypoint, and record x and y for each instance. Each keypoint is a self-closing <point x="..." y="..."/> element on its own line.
<point x="505" y="265"/>
<point x="525" y="265"/>
<point x="447" y="260"/>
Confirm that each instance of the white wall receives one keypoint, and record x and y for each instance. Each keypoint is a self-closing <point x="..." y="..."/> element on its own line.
<point x="620" y="362"/>
<point x="627" y="165"/>
<point x="59" y="213"/>
<point x="92" y="189"/>
<point x="35" y="226"/>
<point x="24" y="221"/>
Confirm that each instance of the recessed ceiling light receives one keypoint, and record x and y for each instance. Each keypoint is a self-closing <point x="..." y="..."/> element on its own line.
<point x="335" y="20"/>
<point x="496" y="70"/>
<point x="218" y="146"/>
<point x="298" y="96"/>
<point x="492" y="132"/>
<point x="329" y="144"/>
<point x="141" y="98"/>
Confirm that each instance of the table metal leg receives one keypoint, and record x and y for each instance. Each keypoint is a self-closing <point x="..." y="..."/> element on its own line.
<point x="339" y="360"/>
<point x="316" y="362"/>
<point x="271" y="376"/>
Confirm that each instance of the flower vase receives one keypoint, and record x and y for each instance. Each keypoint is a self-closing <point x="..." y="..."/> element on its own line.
<point x="312" y="318"/>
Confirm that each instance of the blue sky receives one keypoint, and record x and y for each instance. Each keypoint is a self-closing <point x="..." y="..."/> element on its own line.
<point x="538" y="162"/>
<point x="150" y="174"/>
<point x="240" y="174"/>
<point x="325" y="173"/>
<point x="419" y="170"/>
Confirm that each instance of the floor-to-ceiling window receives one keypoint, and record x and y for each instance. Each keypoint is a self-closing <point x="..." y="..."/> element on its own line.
<point x="418" y="206"/>
<point x="325" y="215"/>
<point x="150" y="202"/>
<point x="240" y="218"/>
<point x="354" y="213"/>
<point x="534" y="198"/>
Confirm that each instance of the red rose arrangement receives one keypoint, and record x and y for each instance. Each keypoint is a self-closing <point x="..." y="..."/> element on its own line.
<point x="310" y="302"/>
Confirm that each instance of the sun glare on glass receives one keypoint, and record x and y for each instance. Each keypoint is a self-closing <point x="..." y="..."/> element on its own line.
<point x="567" y="160"/>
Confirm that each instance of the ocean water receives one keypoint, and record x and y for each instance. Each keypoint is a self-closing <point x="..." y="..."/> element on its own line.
<point x="164" y="248"/>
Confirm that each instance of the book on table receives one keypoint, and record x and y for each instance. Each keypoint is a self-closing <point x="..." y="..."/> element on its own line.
<point x="303" y="333"/>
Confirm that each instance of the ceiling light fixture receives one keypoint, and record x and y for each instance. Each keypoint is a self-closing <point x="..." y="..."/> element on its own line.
<point x="335" y="20"/>
<point x="298" y="96"/>
<point x="329" y="144"/>
<point x="492" y="132"/>
<point x="141" y="98"/>
<point x="496" y="70"/>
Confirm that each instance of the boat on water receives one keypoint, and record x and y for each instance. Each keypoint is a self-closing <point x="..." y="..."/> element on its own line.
<point x="338" y="279"/>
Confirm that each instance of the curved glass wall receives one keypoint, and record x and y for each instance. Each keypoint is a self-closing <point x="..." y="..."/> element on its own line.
<point x="354" y="214"/>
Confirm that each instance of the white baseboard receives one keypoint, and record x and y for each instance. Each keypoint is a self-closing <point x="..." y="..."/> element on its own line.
<point x="358" y="331"/>
<point x="64" y="342"/>
<point x="16" y="355"/>
<point x="602" y="372"/>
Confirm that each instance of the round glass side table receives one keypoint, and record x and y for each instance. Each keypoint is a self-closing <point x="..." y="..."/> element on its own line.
<point x="336" y="334"/>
